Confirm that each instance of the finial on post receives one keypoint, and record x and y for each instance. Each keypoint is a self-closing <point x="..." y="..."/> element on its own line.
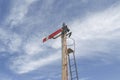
<point x="65" y="28"/>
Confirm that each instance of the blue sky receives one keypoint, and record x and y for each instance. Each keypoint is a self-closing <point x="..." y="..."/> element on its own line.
<point x="95" y="25"/>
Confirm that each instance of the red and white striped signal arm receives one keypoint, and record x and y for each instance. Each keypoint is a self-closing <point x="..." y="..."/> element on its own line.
<point x="52" y="35"/>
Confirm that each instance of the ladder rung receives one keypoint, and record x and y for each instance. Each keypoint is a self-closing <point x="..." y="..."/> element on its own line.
<point x="72" y="65"/>
<point x="71" y="57"/>
<point x="74" y="77"/>
<point x="73" y="71"/>
<point x="72" y="60"/>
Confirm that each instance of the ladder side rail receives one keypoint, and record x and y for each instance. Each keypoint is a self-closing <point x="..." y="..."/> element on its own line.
<point x="75" y="65"/>
<point x="70" y="67"/>
<point x="75" y="59"/>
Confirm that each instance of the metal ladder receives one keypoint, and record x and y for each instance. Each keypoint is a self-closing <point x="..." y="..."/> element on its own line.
<point x="72" y="66"/>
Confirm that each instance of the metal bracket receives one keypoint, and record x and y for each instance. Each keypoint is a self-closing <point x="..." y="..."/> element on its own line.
<point x="69" y="34"/>
<point x="65" y="29"/>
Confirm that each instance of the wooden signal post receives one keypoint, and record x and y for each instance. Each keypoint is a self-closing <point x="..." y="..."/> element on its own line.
<point x="64" y="53"/>
<point x="63" y="32"/>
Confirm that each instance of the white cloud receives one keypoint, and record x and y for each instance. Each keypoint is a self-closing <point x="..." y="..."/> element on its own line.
<point x="15" y="42"/>
<point x="18" y="12"/>
<point x="97" y="31"/>
<point x="11" y="41"/>
<point x="33" y="46"/>
<point x="24" y="64"/>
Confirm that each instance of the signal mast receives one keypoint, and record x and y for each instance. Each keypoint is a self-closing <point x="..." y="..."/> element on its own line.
<point x="66" y="59"/>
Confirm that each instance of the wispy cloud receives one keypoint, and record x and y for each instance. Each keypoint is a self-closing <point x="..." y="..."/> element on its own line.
<point x="33" y="46"/>
<point x="92" y="34"/>
<point x="18" y="11"/>
<point x="24" y="64"/>
<point x="97" y="32"/>
<point x="11" y="41"/>
<point x="28" y="47"/>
